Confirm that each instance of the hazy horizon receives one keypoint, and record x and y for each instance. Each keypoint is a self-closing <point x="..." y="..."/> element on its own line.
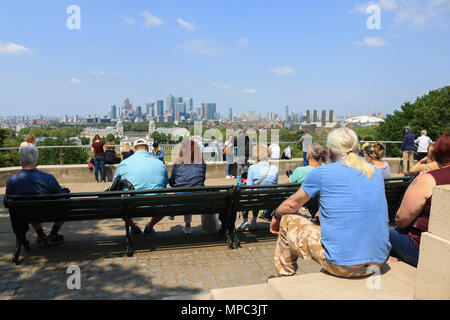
<point x="250" y="56"/>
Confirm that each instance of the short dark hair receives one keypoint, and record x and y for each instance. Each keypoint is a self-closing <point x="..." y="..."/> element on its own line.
<point x="155" y="144"/>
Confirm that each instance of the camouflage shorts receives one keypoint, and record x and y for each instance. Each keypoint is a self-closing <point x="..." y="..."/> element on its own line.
<point x="300" y="238"/>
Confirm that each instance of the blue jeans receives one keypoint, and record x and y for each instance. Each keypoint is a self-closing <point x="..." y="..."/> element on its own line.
<point x="229" y="169"/>
<point x="305" y="160"/>
<point x="99" y="162"/>
<point x="403" y="247"/>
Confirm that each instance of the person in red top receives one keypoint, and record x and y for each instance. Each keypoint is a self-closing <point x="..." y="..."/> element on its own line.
<point x="98" y="149"/>
<point x="413" y="215"/>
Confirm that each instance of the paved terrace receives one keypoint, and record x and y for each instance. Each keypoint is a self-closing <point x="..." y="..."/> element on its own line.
<point x="164" y="265"/>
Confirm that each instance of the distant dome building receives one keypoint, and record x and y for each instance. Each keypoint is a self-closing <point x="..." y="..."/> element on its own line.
<point x="364" y="120"/>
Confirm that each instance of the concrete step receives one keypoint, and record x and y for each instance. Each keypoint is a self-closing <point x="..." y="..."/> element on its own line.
<point x="198" y="296"/>
<point x="252" y="292"/>
<point x="396" y="284"/>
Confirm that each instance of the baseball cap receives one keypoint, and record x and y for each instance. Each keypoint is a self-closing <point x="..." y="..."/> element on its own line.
<point x="140" y="142"/>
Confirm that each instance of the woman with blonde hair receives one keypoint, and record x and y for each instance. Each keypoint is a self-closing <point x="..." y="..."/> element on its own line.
<point x="30" y="140"/>
<point x="373" y="153"/>
<point x="126" y="152"/>
<point x="261" y="173"/>
<point x="353" y="237"/>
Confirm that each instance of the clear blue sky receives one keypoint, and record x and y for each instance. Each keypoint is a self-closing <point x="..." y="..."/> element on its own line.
<point x="249" y="55"/>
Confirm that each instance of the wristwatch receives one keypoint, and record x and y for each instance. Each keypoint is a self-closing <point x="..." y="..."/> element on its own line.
<point x="275" y="215"/>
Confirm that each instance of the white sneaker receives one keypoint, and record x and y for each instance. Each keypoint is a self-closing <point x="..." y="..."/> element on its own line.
<point x="227" y="177"/>
<point x="187" y="230"/>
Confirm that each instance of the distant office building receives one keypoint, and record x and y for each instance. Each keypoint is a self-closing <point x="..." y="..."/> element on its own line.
<point x="286" y="113"/>
<point x="308" y="116"/>
<point x="180" y="107"/>
<point x="138" y="111"/>
<point x="331" y="116"/>
<point x="324" y="118"/>
<point x="189" y="104"/>
<point x="251" y="115"/>
<point x="315" y="116"/>
<point x="159" y="108"/>
<point x="149" y="109"/>
<point x="230" y="114"/>
<point x="170" y="104"/>
<point x="113" y="112"/>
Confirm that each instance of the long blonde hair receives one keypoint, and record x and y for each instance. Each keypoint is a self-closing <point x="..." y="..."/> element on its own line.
<point x="345" y="141"/>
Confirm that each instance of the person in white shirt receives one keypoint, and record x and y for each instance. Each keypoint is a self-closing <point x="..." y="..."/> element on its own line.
<point x="275" y="151"/>
<point x="422" y="145"/>
<point x="287" y="153"/>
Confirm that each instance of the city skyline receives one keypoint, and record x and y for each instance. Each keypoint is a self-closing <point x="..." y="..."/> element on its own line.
<point x="303" y="55"/>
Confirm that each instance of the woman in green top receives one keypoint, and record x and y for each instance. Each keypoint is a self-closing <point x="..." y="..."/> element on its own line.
<point x="316" y="156"/>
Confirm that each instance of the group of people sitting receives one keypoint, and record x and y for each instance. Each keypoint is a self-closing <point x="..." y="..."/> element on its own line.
<point x="352" y="234"/>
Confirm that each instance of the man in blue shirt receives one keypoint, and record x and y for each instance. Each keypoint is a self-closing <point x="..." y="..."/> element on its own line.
<point x="145" y="172"/>
<point x="31" y="181"/>
<point x="408" y="149"/>
<point x="353" y="237"/>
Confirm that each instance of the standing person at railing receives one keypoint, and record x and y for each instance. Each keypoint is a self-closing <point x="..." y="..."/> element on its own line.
<point x="30" y="140"/>
<point x="422" y="145"/>
<point x="408" y="149"/>
<point x="306" y="141"/>
<point x="261" y="173"/>
<point x="229" y="156"/>
<point x="98" y="149"/>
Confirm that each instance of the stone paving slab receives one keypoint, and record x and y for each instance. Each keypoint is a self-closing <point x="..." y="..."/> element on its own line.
<point x="166" y="264"/>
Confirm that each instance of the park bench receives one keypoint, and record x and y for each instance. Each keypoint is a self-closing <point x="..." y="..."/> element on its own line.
<point x="223" y="200"/>
<point x="121" y="205"/>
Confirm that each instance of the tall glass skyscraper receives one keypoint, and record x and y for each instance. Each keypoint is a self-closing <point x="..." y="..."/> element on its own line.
<point x="170" y="104"/>
<point x="160" y="108"/>
<point x="189" y="104"/>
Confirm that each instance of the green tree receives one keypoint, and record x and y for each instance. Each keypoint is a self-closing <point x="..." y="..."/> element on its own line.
<point x="430" y="112"/>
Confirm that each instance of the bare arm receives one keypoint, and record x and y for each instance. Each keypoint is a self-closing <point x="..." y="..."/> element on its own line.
<point x="414" y="200"/>
<point x="290" y="205"/>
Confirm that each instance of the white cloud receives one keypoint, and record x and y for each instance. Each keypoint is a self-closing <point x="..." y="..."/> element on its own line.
<point x="151" y="20"/>
<point x="189" y="26"/>
<point x="114" y="73"/>
<point x="282" y="70"/>
<point x="129" y="20"/>
<point x="200" y="46"/>
<point x="371" y="42"/>
<point x="101" y="73"/>
<point x="243" y="42"/>
<point x="13" y="48"/>
<point x="74" y="80"/>
<point x="248" y="91"/>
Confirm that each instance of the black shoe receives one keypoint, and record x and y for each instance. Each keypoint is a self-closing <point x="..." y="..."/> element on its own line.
<point x="136" y="231"/>
<point x="43" y="241"/>
<point x="148" y="231"/>
<point x="55" y="238"/>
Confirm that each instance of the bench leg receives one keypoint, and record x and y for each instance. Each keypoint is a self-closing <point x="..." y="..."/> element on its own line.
<point x="20" y="240"/>
<point x="129" y="238"/>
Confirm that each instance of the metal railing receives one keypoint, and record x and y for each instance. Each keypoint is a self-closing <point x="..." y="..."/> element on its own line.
<point x="168" y="148"/>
